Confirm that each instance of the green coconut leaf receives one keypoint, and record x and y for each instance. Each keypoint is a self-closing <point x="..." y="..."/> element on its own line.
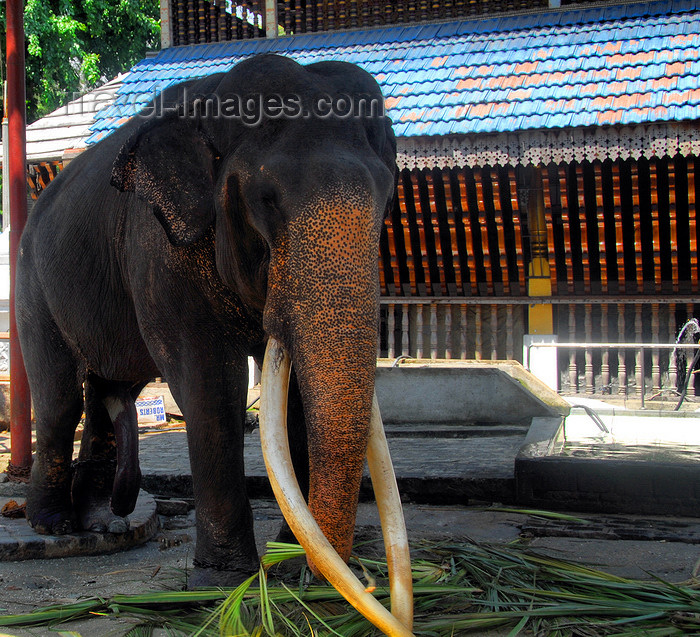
<point x="459" y="588"/>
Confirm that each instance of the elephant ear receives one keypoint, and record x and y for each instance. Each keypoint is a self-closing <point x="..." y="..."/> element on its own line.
<point x="242" y="255"/>
<point x="388" y="155"/>
<point x="170" y="164"/>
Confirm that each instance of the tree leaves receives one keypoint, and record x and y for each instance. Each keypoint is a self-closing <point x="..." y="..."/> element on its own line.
<point x="74" y="46"/>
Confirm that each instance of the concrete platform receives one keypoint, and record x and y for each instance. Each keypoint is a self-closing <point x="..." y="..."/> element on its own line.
<point x="19" y="542"/>
<point x="462" y="392"/>
<point x="448" y="470"/>
<point x="438" y="465"/>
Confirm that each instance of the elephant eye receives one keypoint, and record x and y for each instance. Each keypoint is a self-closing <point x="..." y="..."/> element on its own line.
<point x="269" y="198"/>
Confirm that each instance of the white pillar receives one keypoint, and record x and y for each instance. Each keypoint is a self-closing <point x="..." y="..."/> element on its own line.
<point x="166" y="38"/>
<point x="270" y="18"/>
<point x="541" y="361"/>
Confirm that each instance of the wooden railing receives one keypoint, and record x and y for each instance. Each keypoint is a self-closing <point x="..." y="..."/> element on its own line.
<point x="639" y="351"/>
<point x="462" y="328"/>
<point x="493" y="328"/>
<point x="601" y="371"/>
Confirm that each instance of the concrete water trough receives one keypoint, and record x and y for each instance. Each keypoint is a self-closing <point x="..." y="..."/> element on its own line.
<point x="612" y="460"/>
<point x="462" y="392"/>
<point x="639" y="462"/>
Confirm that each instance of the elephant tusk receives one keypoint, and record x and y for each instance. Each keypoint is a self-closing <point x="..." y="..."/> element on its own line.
<point x="386" y="493"/>
<point x="275" y="446"/>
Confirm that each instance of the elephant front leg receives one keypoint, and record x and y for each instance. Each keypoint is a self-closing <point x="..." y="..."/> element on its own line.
<point x="225" y="552"/>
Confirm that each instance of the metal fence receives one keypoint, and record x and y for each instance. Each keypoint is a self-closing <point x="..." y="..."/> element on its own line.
<point x="628" y="362"/>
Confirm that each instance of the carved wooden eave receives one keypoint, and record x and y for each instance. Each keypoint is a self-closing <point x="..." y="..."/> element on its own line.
<point x="542" y="147"/>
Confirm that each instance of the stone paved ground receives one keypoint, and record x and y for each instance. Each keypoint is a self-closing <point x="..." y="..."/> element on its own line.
<point x="19" y="542"/>
<point x="426" y="468"/>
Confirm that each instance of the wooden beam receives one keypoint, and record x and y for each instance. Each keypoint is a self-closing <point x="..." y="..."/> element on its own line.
<point x="517" y="227"/>
<point x="566" y="223"/>
<point x="410" y="257"/>
<point x="452" y="227"/>
<point x="692" y="224"/>
<point x="673" y="224"/>
<point x="468" y="238"/>
<point x="638" y="258"/>
<point x="585" y="253"/>
<point x="617" y="218"/>
<point x="441" y="254"/>
<point x="427" y="287"/>
<point x="483" y="228"/>
<point x="656" y="241"/>
<point x="600" y="219"/>
<point x="543" y="234"/>
<point x="500" y="233"/>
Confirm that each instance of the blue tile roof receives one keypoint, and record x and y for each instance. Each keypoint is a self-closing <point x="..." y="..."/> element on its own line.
<point x="620" y="64"/>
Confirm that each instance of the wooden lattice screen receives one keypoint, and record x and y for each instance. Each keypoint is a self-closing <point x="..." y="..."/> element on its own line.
<point x="613" y="228"/>
<point x="621" y="245"/>
<point x="304" y="17"/>
<point x="627" y="227"/>
<point x="455" y="233"/>
<point x="202" y="21"/>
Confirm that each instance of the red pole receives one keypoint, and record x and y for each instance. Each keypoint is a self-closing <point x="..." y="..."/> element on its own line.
<point x="20" y="402"/>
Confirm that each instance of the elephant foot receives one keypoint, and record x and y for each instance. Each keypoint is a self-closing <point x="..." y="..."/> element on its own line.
<point x="50" y="520"/>
<point x="206" y="577"/>
<point x="99" y="518"/>
<point x="49" y="508"/>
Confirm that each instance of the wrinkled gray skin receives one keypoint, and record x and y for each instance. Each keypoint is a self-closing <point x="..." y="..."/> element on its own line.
<point x="173" y="248"/>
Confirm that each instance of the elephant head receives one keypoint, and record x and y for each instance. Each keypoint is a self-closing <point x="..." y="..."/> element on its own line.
<point x="296" y="193"/>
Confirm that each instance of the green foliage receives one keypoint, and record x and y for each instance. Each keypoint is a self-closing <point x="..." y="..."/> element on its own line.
<point x="76" y="45"/>
<point x="459" y="588"/>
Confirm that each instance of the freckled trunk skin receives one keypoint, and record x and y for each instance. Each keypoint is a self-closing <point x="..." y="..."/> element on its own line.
<point x="323" y="301"/>
<point x="338" y="399"/>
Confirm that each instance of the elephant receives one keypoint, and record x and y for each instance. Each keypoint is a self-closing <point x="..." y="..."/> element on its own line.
<point x="234" y="209"/>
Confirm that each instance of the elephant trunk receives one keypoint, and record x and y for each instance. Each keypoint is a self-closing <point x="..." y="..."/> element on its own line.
<point x="127" y="478"/>
<point x="335" y="366"/>
<point x="323" y="305"/>
<point x="337" y="384"/>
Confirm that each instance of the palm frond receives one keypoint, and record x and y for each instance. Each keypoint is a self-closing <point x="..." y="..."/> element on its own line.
<point x="459" y="587"/>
